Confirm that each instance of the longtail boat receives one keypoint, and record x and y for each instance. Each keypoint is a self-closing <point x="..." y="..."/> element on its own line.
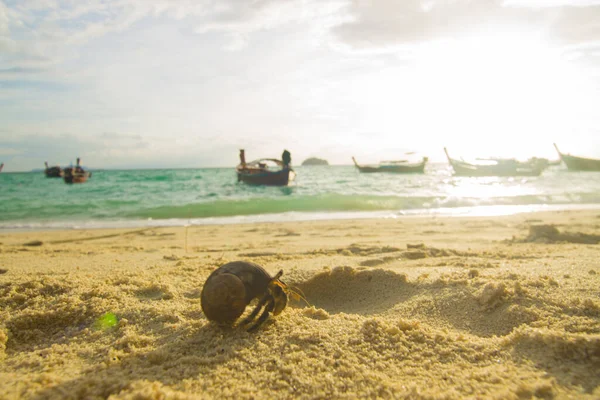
<point x="578" y="163"/>
<point x="266" y="171"/>
<point x="53" y="172"/>
<point x="394" y="167"/>
<point x="76" y="174"/>
<point x="494" y="167"/>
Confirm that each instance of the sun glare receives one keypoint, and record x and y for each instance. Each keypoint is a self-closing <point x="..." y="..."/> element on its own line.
<point x="499" y="92"/>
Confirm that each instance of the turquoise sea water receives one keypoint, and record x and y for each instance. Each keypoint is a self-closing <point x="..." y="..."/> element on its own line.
<point x="123" y="198"/>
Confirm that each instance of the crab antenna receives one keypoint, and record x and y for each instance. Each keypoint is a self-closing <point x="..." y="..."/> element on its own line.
<point x="298" y="292"/>
<point x="278" y="274"/>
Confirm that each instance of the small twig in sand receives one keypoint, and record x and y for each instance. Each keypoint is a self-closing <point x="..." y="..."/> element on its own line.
<point x="186" y="235"/>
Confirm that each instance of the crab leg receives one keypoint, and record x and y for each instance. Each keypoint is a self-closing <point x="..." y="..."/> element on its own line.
<point x="268" y="308"/>
<point x="256" y="310"/>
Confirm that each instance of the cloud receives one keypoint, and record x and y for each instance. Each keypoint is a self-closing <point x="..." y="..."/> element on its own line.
<point x="6" y="43"/>
<point x="238" y="19"/>
<point x="40" y="34"/>
<point x="393" y="23"/>
<point x="36" y="34"/>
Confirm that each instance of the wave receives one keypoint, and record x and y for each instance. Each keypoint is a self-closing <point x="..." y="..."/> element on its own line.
<point x="347" y="203"/>
<point x="482" y="211"/>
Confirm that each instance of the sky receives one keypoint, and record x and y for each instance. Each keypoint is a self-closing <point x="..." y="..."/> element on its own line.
<point x="187" y="83"/>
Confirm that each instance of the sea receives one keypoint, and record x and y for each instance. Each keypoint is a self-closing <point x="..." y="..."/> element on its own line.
<point x="183" y="197"/>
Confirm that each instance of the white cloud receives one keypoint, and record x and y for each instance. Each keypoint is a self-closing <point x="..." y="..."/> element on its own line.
<point x="6" y="43"/>
<point x="43" y="34"/>
<point x="249" y="16"/>
<point x="41" y="28"/>
<point x="77" y="22"/>
<point x="385" y="23"/>
<point x="3" y="20"/>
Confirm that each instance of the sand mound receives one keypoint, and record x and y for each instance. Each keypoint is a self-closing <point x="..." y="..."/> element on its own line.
<point x="551" y="234"/>
<point x="418" y="251"/>
<point x="344" y="289"/>
<point x="475" y="307"/>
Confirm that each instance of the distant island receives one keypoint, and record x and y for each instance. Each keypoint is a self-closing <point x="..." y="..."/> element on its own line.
<point x="314" y="161"/>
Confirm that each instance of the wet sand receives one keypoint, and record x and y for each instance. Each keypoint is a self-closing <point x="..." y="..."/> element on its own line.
<point x="415" y="308"/>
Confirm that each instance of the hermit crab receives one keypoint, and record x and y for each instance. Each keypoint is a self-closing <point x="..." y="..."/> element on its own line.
<point x="232" y="286"/>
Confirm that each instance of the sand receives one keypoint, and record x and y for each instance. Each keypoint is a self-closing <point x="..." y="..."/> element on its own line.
<point x="415" y="308"/>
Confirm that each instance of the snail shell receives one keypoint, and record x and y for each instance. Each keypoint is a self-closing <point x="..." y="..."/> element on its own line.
<point x="223" y="298"/>
<point x="230" y="288"/>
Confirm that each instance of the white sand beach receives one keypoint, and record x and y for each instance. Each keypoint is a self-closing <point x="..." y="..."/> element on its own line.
<point x="415" y="308"/>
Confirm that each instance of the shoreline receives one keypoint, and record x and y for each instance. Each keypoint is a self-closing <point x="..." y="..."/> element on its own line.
<point x="456" y="212"/>
<point x="415" y="307"/>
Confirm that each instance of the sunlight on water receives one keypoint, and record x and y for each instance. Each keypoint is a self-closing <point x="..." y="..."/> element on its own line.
<point x="490" y="187"/>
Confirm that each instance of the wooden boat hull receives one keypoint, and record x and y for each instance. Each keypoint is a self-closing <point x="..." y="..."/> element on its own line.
<point x="256" y="176"/>
<point x="477" y="171"/>
<point x="574" y="163"/>
<point x="501" y="168"/>
<point x="53" y="172"/>
<point x="76" y="177"/>
<point x="418" y="168"/>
